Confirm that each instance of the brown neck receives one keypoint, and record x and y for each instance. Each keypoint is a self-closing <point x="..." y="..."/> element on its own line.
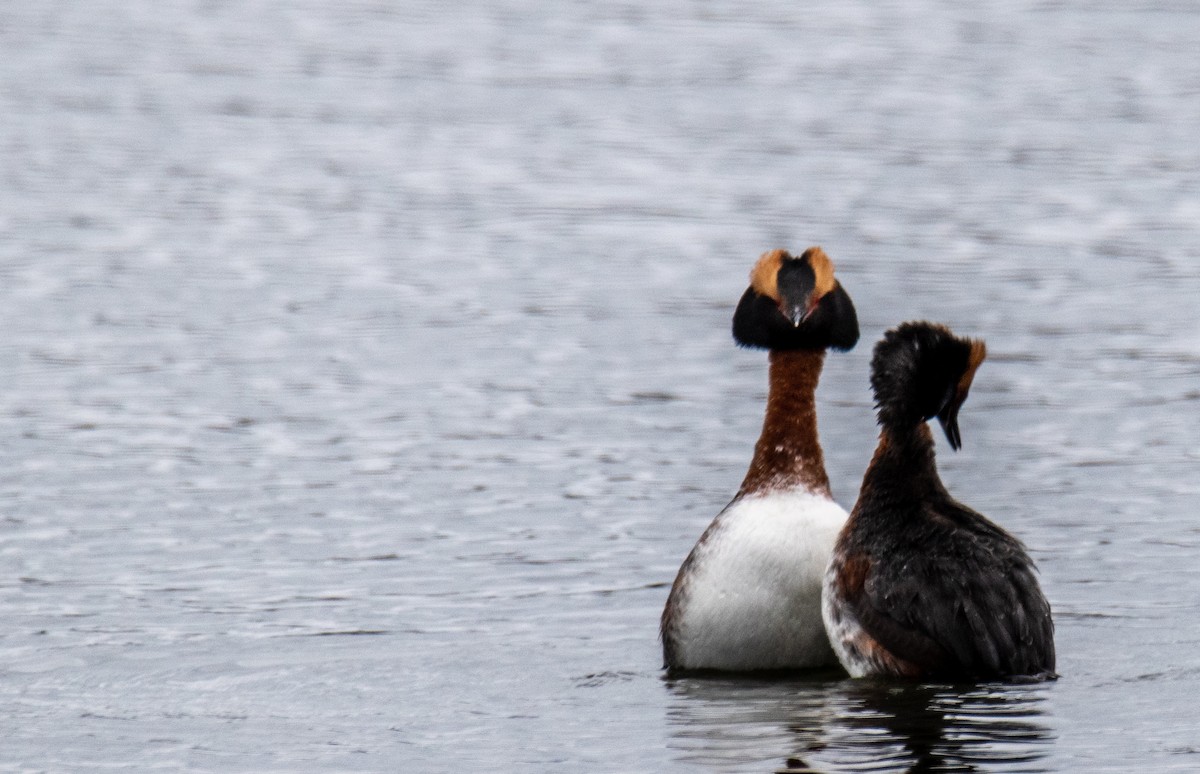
<point x="904" y="468"/>
<point x="788" y="453"/>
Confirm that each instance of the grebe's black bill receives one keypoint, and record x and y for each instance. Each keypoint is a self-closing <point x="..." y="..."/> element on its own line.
<point x="948" y="419"/>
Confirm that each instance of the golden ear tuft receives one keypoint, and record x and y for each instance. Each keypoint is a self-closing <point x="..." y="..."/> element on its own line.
<point x="974" y="360"/>
<point x="764" y="277"/>
<point x="822" y="270"/>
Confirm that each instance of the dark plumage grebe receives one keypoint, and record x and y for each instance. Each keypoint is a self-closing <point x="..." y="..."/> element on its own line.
<point x="748" y="596"/>
<point x="920" y="585"/>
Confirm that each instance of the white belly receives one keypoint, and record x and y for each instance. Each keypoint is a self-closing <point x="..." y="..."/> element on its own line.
<point x="751" y="595"/>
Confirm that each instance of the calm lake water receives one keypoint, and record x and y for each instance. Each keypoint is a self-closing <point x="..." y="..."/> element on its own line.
<point x="367" y="369"/>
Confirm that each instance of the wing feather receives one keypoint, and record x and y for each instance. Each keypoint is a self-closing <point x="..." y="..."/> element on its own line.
<point x="971" y="609"/>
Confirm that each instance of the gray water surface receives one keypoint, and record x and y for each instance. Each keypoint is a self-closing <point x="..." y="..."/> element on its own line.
<point x="367" y="371"/>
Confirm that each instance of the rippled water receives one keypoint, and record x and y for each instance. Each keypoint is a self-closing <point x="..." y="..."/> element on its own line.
<point x="367" y="369"/>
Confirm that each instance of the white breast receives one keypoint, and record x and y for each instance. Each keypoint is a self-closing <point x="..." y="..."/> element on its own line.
<point x="751" y="595"/>
<point x="845" y="631"/>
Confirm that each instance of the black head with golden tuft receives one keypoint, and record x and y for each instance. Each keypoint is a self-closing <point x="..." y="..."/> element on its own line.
<point x="921" y="370"/>
<point x="795" y="303"/>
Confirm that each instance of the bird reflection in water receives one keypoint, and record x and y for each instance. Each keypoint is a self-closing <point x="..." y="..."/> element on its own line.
<point x="804" y="724"/>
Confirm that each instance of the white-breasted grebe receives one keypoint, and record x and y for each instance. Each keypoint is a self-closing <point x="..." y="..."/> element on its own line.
<point x="920" y="585"/>
<point x="748" y="596"/>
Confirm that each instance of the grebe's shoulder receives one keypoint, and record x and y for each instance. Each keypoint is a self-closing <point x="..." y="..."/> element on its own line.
<point x="957" y="596"/>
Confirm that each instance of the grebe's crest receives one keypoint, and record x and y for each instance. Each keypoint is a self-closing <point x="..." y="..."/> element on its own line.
<point x="795" y="303"/>
<point x="921" y="370"/>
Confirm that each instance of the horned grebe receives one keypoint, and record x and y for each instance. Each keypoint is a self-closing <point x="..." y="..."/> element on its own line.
<point x="920" y="585"/>
<point x="748" y="596"/>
